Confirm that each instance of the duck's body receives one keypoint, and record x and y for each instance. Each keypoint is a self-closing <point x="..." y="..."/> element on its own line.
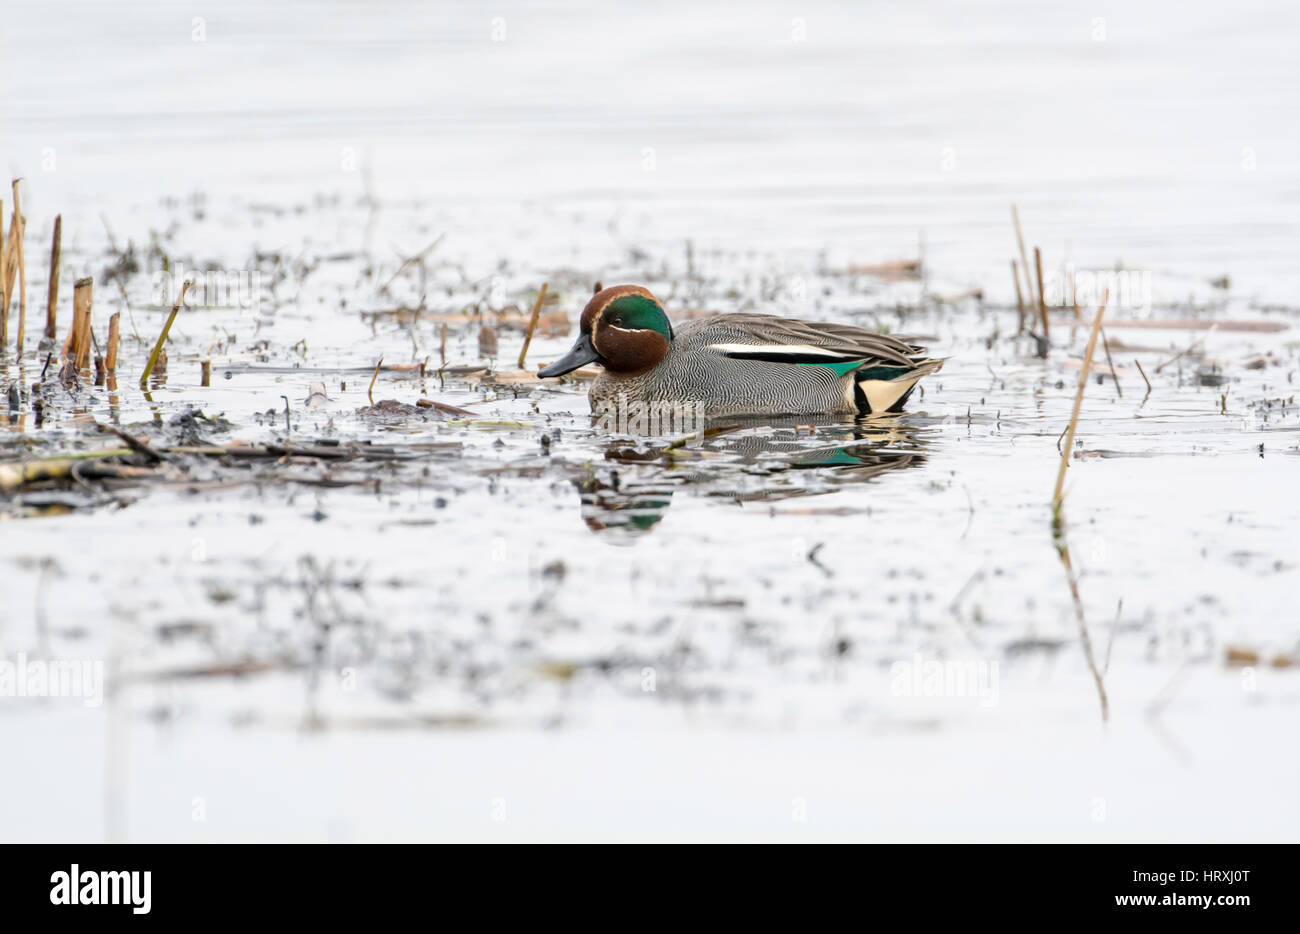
<point x="740" y="364"/>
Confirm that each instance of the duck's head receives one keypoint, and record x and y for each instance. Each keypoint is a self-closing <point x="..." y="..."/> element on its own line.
<point x="623" y="328"/>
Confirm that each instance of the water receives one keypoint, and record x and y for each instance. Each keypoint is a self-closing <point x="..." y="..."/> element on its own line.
<point x="586" y="638"/>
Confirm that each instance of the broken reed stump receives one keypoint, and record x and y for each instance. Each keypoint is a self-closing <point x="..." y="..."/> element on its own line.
<point x="52" y="301"/>
<point x="79" y="346"/>
<point x="20" y="223"/>
<point x="1059" y="494"/>
<point x="110" y="362"/>
<point x="167" y="326"/>
<point x="205" y="373"/>
<point x="532" y="324"/>
<point x="99" y="369"/>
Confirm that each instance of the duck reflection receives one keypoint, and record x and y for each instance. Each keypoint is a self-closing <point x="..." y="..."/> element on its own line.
<point x="743" y="461"/>
<point x="622" y="510"/>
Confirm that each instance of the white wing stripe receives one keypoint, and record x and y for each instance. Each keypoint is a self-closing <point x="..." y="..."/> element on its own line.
<point x="793" y="350"/>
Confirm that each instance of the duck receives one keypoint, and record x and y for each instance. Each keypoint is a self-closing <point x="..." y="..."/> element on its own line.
<point x="739" y="363"/>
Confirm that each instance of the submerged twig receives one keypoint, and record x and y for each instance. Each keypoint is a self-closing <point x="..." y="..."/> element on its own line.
<point x="1144" y="377"/>
<point x="1188" y="349"/>
<point x="417" y="258"/>
<point x="700" y="435"/>
<point x="1105" y="344"/>
<point x="140" y="447"/>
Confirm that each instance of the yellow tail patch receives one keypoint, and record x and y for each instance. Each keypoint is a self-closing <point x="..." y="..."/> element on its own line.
<point x="883" y="394"/>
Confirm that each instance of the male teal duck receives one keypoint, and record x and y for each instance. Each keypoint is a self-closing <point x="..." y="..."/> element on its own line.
<point x="740" y="364"/>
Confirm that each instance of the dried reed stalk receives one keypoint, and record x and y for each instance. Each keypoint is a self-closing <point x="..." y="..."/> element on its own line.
<point x="1020" y="242"/>
<point x="52" y="301"/>
<point x="157" y="348"/>
<point x="20" y="223"/>
<point x="1020" y="301"/>
<point x="1042" y="301"/>
<point x="532" y="324"/>
<point x="4" y="281"/>
<point x="1058" y="495"/>
<point x="370" y="392"/>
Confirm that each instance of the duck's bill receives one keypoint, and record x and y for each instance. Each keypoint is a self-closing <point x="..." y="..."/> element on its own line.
<point x="580" y="354"/>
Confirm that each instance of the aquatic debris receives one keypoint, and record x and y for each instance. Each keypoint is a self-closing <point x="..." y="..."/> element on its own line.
<point x="1236" y="656"/>
<point x="139" y="461"/>
<point x="135" y="444"/>
<point x="391" y="408"/>
<point x="416" y="260"/>
<point x="192" y="422"/>
<point x="900" y="270"/>
<point x="239" y="669"/>
<point x="1200" y="324"/>
<point x="1210" y="376"/>
<point x="443" y="408"/>
<point x="316" y="397"/>
<point x="508" y="378"/>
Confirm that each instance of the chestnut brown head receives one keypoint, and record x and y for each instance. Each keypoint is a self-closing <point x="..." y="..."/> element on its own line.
<point x="623" y="328"/>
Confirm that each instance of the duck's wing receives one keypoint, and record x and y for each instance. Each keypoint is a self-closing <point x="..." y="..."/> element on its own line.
<point x="788" y="340"/>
